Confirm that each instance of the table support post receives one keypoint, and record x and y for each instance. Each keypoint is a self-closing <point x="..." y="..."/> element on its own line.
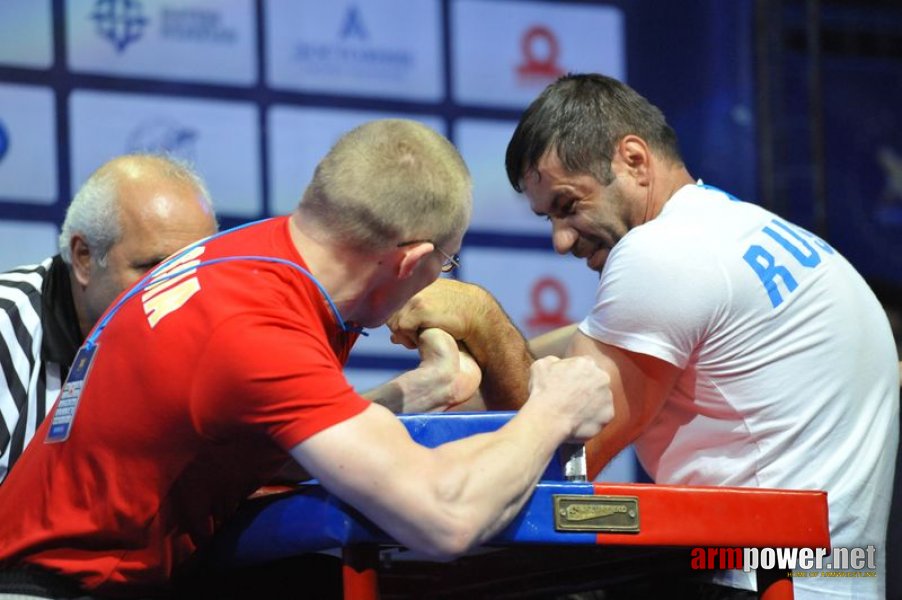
<point x="359" y="572"/>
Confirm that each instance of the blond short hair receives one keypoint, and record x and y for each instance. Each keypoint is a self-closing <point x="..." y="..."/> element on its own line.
<point x="390" y="181"/>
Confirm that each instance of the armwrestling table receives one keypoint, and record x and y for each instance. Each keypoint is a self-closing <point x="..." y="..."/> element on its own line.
<point x="573" y="517"/>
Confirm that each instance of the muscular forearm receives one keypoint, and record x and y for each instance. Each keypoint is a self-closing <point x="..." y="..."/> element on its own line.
<point x="390" y="395"/>
<point x="489" y="478"/>
<point x="474" y="318"/>
<point x="445" y="378"/>
<point x="440" y="501"/>
<point x="504" y="358"/>
<point x="419" y="391"/>
<point x="445" y="500"/>
<point x="478" y="467"/>
<point x="602" y="449"/>
<point x="640" y="385"/>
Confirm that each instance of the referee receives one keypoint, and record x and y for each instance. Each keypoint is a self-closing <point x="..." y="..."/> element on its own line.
<point x="133" y="212"/>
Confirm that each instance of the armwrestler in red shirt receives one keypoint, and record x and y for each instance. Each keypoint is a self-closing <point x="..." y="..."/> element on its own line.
<point x="200" y="382"/>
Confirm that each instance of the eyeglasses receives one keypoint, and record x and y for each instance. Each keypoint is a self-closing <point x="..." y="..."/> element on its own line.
<point x="452" y="261"/>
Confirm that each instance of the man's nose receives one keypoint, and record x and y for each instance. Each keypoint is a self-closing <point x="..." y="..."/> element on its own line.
<point x="563" y="237"/>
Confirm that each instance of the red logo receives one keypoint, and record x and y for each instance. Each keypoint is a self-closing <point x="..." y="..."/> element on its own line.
<point x="549" y="306"/>
<point x="540" y="52"/>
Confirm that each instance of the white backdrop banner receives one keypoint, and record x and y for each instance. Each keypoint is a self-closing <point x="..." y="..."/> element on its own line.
<point x="26" y="33"/>
<point x="505" y="53"/>
<point x="211" y="41"/>
<point x="389" y="48"/>
<point x="497" y="207"/>
<point x="539" y="290"/>
<point x="298" y="138"/>
<point x="219" y="137"/>
<point x="24" y="243"/>
<point x="27" y="144"/>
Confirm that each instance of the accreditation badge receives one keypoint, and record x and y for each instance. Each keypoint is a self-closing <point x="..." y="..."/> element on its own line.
<point x="64" y="413"/>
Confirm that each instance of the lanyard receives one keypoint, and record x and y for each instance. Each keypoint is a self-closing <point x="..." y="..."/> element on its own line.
<point x="151" y="279"/>
<point x="70" y="395"/>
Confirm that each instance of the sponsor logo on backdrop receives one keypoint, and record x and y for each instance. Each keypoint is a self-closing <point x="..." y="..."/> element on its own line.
<point x="4" y="141"/>
<point x="540" y="50"/>
<point x="164" y="136"/>
<point x="122" y="22"/>
<point x="549" y="300"/>
<point x="195" y="25"/>
<point x="354" y="54"/>
<point x="353" y="25"/>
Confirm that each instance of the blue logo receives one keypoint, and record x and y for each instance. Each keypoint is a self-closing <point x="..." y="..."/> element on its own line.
<point x="164" y="136"/>
<point x="4" y="141"/>
<point x="353" y="25"/>
<point x="354" y="54"/>
<point x="120" y="21"/>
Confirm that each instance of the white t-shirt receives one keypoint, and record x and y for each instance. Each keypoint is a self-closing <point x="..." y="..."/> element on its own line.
<point x="790" y="376"/>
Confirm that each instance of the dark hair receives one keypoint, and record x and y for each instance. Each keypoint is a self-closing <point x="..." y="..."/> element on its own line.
<point x="582" y="117"/>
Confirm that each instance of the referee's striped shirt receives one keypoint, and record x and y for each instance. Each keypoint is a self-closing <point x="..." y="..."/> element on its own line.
<point x="38" y="339"/>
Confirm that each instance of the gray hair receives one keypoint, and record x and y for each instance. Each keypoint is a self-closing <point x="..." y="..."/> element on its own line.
<point x="390" y="181"/>
<point x="94" y="212"/>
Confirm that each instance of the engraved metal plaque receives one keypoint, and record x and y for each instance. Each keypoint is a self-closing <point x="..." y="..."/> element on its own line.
<point x="611" y="514"/>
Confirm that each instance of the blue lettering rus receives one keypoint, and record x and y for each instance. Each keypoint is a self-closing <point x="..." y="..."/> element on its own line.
<point x="765" y="265"/>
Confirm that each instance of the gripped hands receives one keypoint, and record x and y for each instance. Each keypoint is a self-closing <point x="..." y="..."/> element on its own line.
<point x="574" y="390"/>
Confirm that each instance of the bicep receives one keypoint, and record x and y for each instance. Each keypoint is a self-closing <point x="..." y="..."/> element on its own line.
<point x="640" y="385"/>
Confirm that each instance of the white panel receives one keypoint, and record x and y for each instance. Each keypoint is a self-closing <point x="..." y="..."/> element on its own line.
<point x="497" y="207"/>
<point x="298" y="138"/>
<point x="27" y="144"/>
<point x="25" y="243"/>
<point x="26" y="33"/>
<point x="389" y="48"/>
<point x="539" y="290"/>
<point x="191" y="40"/>
<point x="220" y="138"/>
<point x="505" y="53"/>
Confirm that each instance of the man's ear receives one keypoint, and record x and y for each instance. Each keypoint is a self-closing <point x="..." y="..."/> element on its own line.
<point x="81" y="259"/>
<point x="635" y="156"/>
<point x="411" y="256"/>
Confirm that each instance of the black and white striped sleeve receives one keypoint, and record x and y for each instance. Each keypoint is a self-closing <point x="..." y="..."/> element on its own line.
<point x="22" y="377"/>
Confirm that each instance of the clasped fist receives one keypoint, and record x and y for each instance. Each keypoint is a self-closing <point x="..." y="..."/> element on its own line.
<point x="577" y="389"/>
<point x="446" y="304"/>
